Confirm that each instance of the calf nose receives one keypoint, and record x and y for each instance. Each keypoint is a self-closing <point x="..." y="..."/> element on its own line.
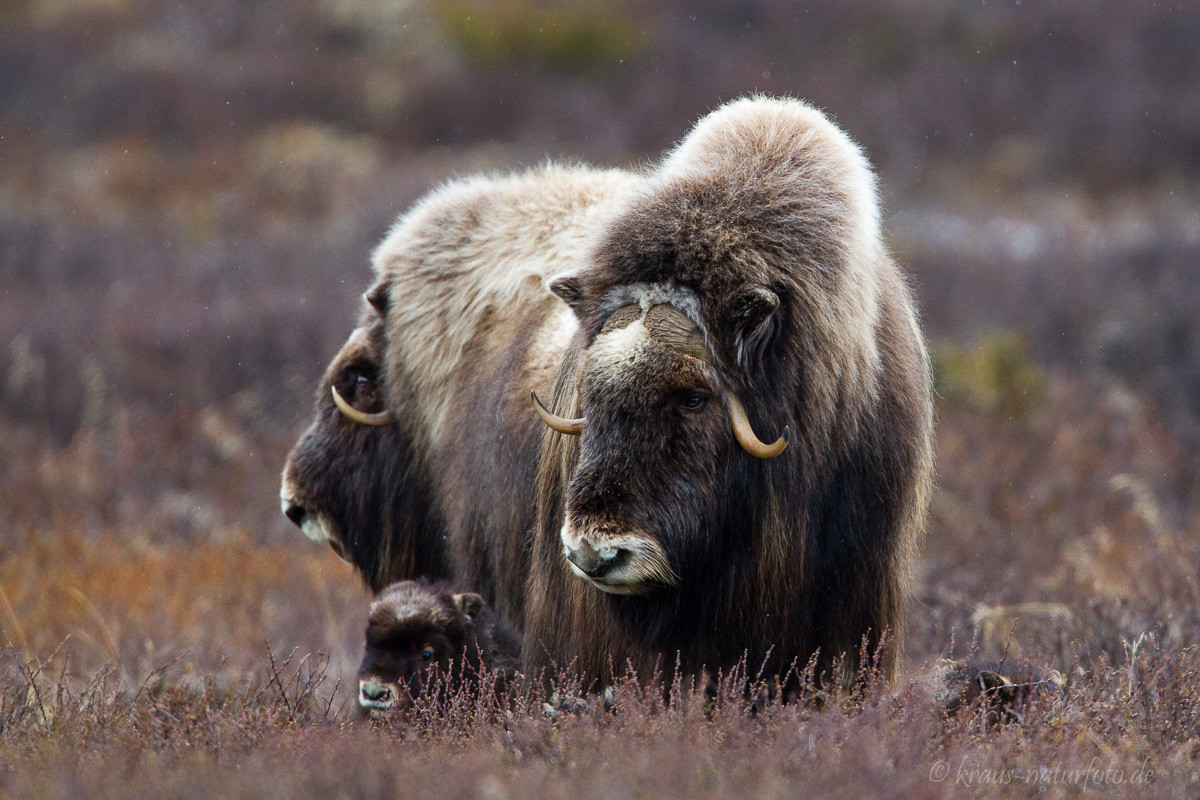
<point x="596" y="562"/>
<point x="374" y="692"/>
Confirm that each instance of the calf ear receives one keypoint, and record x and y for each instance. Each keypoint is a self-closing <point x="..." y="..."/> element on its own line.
<point x="469" y="603"/>
<point x="377" y="296"/>
<point x="569" y="287"/>
<point x="753" y="315"/>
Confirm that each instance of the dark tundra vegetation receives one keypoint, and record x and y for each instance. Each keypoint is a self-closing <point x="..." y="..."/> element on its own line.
<point x="189" y="194"/>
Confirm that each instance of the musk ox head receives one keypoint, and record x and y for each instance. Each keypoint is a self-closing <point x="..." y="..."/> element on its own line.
<point x="997" y="688"/>
<point x="415" y="631"/>
<point x="424" y="635"/>
<point x="350" y="480"/>
<point x="661" y="429"/>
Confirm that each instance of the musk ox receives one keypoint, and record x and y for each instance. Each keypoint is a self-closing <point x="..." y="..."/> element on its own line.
<point x="741" y="288"/>
<point x="438" y="479"/>
<point x="352" y="481"/>
<point x="746" y="289"/>
<point x="419" y="631"/>
<point x="469" y="330"/>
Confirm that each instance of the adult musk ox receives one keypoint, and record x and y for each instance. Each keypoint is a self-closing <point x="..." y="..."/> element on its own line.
<point x="438" y="480"/>
<point x="745" y="291"/>
<point x="738" y="452"/>
<point x="352" y="479"/>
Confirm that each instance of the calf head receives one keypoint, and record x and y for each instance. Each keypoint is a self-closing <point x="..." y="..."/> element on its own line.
<point x="415" y="633"/>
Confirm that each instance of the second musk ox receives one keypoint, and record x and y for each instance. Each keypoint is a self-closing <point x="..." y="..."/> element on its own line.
<point x="438" y="480"/>
<point x="353" y="481"/>
<point x="738" y="455"/>
<point x="746" y="290"/>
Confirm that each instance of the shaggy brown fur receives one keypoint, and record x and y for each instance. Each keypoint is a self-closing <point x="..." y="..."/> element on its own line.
<point x="471" y="329"/>
<point x="418" y="630"/>
<point x="358" y="487"/>
<point x="762" y="227"/>
<point x="458" y="321"/>
<point x="759" y="240"/>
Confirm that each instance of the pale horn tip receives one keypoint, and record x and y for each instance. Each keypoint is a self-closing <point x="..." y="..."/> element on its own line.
<point x="571" y="427"/>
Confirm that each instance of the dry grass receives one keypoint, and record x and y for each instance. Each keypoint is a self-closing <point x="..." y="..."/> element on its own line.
<point x="1128" y="731"/>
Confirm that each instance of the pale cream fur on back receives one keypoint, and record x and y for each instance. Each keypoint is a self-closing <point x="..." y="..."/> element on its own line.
<point x="473" y="257"/>
<point x="470" y="261"/>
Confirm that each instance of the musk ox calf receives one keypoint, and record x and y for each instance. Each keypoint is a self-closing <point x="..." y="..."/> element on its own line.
<point x="737" y="458"/>
<point x="997" y="689"/>
<point x="423" y="631"/>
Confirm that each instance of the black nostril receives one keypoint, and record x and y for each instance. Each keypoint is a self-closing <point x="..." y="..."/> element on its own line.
<point x="381" y="693"/>
<point x="614" y="561"/>
<point x="597" y="565"/>
<point x="296" y="514"/>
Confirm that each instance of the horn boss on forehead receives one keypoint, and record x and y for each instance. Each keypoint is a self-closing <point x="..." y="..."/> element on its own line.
<point x="678" y="332"/>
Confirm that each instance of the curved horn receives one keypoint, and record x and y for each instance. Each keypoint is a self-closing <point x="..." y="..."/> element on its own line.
<point x="745" y="434"/>
<point x="376" y="420"/>
<point x="571" y="427"/>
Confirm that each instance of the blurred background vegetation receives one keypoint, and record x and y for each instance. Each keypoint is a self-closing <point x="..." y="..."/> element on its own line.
<point x="189" y="192"/>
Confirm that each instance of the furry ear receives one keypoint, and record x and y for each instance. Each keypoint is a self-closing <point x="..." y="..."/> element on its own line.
<point x="377" y="296"/>
<point x="469" y="603"/>
<point x="569" y="287"/>
<point x="753" y="315"/>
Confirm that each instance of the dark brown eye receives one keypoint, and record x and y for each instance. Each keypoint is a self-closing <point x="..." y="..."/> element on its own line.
<point x="694" y="401"/>
<point x="426" y="653"/>
<point x="362" y="384"/>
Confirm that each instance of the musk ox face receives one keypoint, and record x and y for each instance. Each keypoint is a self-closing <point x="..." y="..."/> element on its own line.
<point x="349" y="480"/>
<point x="414" y="633"/>
<point x="319" y="477"/>
<point x="659" y="454"/>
